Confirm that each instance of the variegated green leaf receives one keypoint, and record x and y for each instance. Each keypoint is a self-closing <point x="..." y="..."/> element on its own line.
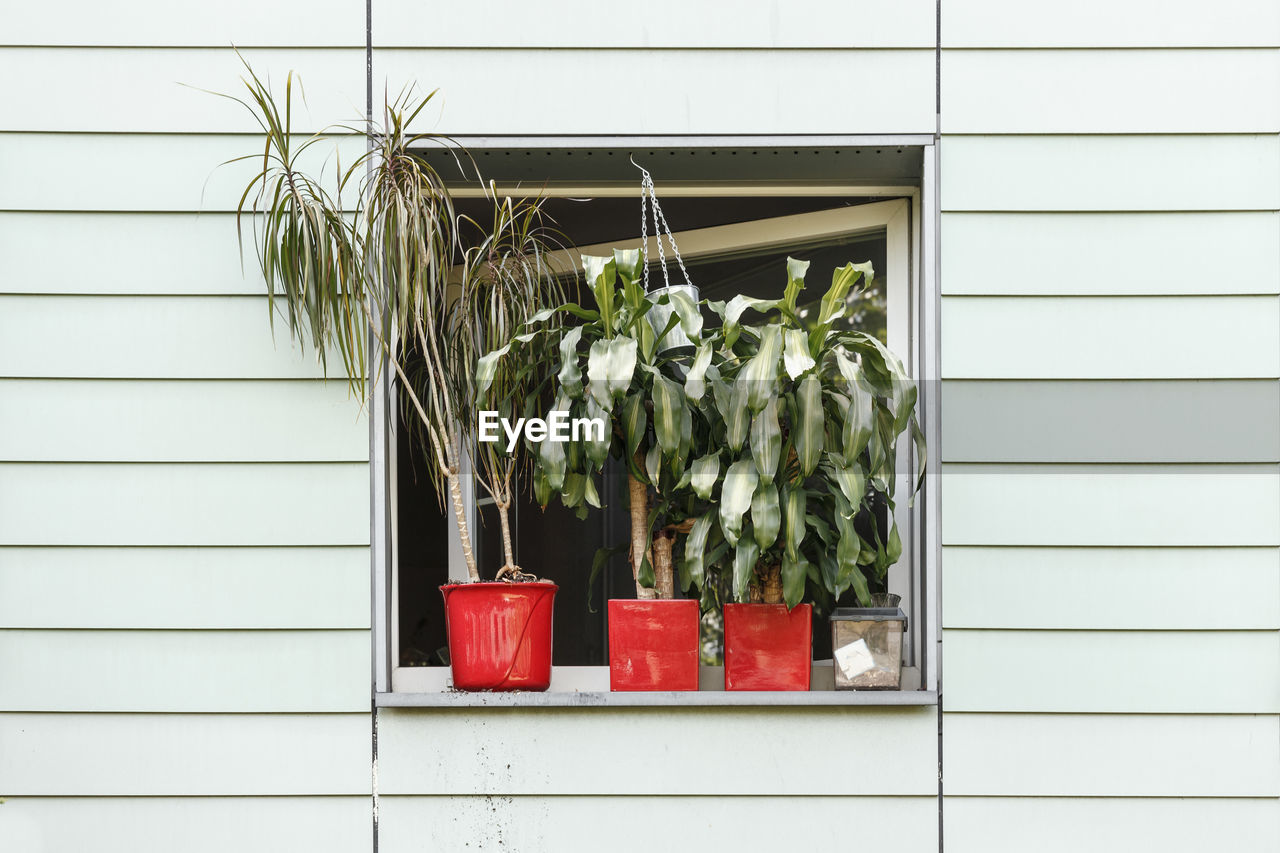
<point x="704" y="472"/>
<point x="596" y="442"/>
<point x="635" y="419"/>
<point x="858" y="422"/>
<point x="695" y="383"/>
<point x="796" y="271"/>
<point x="695" y="548"/>
<point x="794" y="571"/>
<point x="687" y="310"/>
<point x="794" y="501"/>
<point x="668" y="411"/>
<point x="760" y="374"/>
<point x="611" y="364"/>
<point x="766" y="439"/>
<point x="766" y="514"/>
<point x="809" y="430"/>
<point x="842" y="280"/>
<point x="735" y="497"/>
<point x="570" y="375"/>
<point x="601" y="274"/>
<point x="737" y="417"/>
<point x="795" y="353"/>
<point x="744" y="565"/>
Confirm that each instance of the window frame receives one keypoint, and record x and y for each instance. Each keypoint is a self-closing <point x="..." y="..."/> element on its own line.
<point x="908" y="215"/>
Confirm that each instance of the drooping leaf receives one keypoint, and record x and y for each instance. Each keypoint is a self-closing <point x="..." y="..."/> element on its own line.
<point x="635" y="419"/>
<point x="766" y="514"/>
<point x="653" y="464"/>
<point x="611" y="363"/>
<point x="596" y="442"/>
<point x="766" y="439"/>
<point x="808" y="432"/>
<point x="687" y="310"/>
<point x="737" y="417"/>
<point x="704" y="472"/>
<point x="570" y="375"/>
<point x="668" y="411"/>
<point x="744" y="564"/>
<point x="759" y="375"/>
<point x="858" y="422"/>
<point x="794" y="500"/>
<point x="794" y="571"/>
<point x="735" y="497"/>
<point x="695" y="547"/>
<point x="795" y="353"/>
<point x="695" y="384"/>
<point x="601" y="274"/>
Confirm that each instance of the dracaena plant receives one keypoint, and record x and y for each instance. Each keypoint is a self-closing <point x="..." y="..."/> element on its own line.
<point x="810" y="414"/>
<point x="612" y="365"/>
<point x="382" y="276"/>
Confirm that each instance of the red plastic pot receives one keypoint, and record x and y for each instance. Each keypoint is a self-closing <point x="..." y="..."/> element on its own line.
<point x="499" y="634"/>
<point x="766" y="647"/>
<point x="653" y="644"/>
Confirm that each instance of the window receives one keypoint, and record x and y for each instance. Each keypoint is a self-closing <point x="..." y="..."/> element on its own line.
<point x="734" y="235"/>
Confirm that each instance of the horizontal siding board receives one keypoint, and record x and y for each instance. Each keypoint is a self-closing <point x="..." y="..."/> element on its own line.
<point x="1110" y="505"/>
<point x="1115" y="755"/>
<point x="144" y="172"/>
<point x="1111" y="23"/>
<point x="1181" y="672"/>
<point x="189" y="824"/>
<point x="163" y="504"/>
<point x="159" y="90"/>
<point x="184" y="754"/>
<point x="906" y="824"/>
<point x="1111" y="588"/>
<point x="1110" y="173"/>
<point x="1110" y="91"/>
<point x="139" y="253"/>
<point x="1120" y="253"/>
<point x="185" y="671"/>
<point x="184" y="588"/>
<point x="1101" y="825"/>
<point x="246" y="23"/>
<point x="180" y="421"/>
<point x="150" y="337"/>
<point x="514" y="752"/>
<point x="665" y="23"/>
<point x="1111" y="421"/>
<point x="1121" y="337"/>
<point x="774" y="91"/>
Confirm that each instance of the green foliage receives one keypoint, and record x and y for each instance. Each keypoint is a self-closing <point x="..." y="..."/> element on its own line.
<point x="811" y="414"/>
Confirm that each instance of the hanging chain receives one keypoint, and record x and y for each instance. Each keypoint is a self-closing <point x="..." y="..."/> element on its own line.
<point x="649" y="194"/>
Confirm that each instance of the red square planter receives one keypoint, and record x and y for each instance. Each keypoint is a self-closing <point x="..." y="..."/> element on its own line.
<point x="653" y="644"/>
<point x="766" y="647"/>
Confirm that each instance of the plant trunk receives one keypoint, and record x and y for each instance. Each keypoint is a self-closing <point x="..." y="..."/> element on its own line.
<point x="510" y="563"/>
<point x="772" y="585"/>
<point x="663" y="568"/>
<point x="460" y="518"/>
<point x="638" y="493"/>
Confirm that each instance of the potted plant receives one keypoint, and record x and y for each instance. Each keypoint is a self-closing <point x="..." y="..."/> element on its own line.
<point x="811" y="413"/>
<point x="616" y="364"/>
<point x="385" y="276"/>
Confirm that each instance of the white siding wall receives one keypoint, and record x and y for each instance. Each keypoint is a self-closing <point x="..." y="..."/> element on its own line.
<point x="1111" y="577"/>
<point x="184" y="566"/>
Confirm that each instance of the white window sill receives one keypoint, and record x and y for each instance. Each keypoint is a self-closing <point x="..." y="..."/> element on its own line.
<point x="588" y="686"/>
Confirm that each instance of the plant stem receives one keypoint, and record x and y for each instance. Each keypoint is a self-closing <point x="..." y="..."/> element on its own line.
<point x="638" y="495"/>
<point x="503" y="507"/>
<point x="772" y="582"/>
<point x="663" y="569"/>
